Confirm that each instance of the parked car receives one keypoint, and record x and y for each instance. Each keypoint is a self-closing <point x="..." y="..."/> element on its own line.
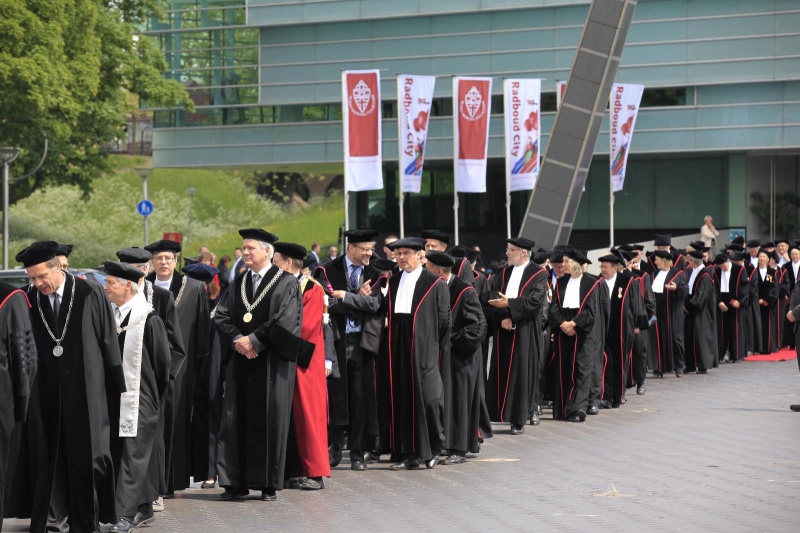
<point x="19" y="278"/>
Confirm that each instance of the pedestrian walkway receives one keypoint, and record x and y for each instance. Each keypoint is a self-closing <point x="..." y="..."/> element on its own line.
<point x="715" y="452"/>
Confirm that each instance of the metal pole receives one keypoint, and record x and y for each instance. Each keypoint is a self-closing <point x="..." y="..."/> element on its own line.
<point x="401" y="203"/>
<point x="5" y="215"/>
<point x="346" y="209"/>
<point x="772" y="199"/>
<point x="611" y="218"/>
<point x="144" y="193"/>
<point x="455" y="210"/>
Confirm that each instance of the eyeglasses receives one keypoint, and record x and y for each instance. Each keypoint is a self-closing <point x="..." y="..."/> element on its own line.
<point x="163" y="259"/>
<point x="366" y="249"/>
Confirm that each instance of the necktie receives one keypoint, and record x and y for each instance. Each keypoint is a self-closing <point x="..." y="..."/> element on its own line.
<point x="256" y="280"/>
<point x="118" y="315"/>
<point x="353" y="277"/>
<point x="56" y="305"/>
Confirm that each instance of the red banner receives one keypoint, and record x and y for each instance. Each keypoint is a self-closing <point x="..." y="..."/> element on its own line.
<point x="472" y="100"/>
<point x="361" y="99"/>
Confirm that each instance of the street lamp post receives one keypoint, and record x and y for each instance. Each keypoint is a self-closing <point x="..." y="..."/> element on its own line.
<point x="192" y="191"/>
<point x="144" y="173"/>
<point x="7" y="155"/>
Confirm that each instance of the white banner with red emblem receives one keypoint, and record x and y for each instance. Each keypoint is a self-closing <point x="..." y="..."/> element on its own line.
<point x="361" y="116"/>
<point x="623" y="108"/>
<point x="414" y="99"/>
<point x="522" y="100"/>
<point x="472" y="99"/>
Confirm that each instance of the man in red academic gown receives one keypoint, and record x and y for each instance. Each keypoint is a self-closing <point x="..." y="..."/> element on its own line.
<point x="307" y="459"/>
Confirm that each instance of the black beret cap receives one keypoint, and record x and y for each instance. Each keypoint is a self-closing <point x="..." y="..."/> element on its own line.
<point x="576" y="255"/>
<point x="610" y="258"/>
<point x="557" y="256"/>
<point x="38" y="252"/>
<point x="441" y="259"/>
<point x="738" y="240"/>
<point x="784" y="241"/>
<point x="435" y="234"/>
<point x="459" y="250"/>
<point x="200" y="271"/>
<point x="720" y="258"/>
<point x="163" y="246"/>
<point x="739" y="256"/>
<point x="521" y="242"/>
<point x="290" y="249"/>
<point x="769" y="244"/>
<point x="64" y="249"/>
<point x="663" y="240"/>
<point x="384" y="265"/>
<point x="258" y="234"/>
<point x="122" y="271"/>
<point x="134" y="254"/>
<point x="664" y="254"/>
<point x="622" y="254"/>
<point x="696" y="254"/>
<point x="360" y="235"/>
<point x="736" y="247"/>
<point x="755" y="243"/>
<point x="414" y="243"/>
<point x="700" y="245"/>
<point x="541" y="257"/>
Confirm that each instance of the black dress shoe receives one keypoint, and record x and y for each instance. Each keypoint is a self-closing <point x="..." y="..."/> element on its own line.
<point x="517" y="430"/>
<point x="678" y="373"/>
<point x="357" y="464"/>
<point x="593" y="410"/>
<point x="701" y="371"/>
<point x="371" y="457"/>
<point x="433" y="461"/>
<point x="144" y="516"/>
<point x="312" y="483"/>
<point x="209" y="484"/>
<point x="577" y="416"/>
<point x="334" y="456"/>
<point x="455" y="459"/>
<point x="535" y="418"/>
<point x="604" y="404"/>
<point x="795" y="408"/>
<point x="269" y="495"/>
<point x="293" y="483"/>
<point x="124" y="525"/>
<point x="641" y="389"/>
<point x="539" y="409"/>
<point x="232" y="494"/>
<point x="406" y="464"/>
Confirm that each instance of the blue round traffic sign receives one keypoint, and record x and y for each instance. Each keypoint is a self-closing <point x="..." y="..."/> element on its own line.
<point x="145" y="207"/>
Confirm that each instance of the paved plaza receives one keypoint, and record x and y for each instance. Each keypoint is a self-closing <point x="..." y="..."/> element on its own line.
<point x="716" y="452"/>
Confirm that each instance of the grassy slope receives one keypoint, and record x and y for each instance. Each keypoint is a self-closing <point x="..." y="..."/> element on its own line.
<point x="108" y="220"/>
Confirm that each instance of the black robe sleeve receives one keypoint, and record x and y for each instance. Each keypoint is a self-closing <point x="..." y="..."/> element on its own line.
<point x="175" y="337"/>
<point x="470" y="335"/>
<point x="530" y="305"/>
<point x="105" y="331"/>
<point x="160" y="355"/>
<point x="20" y="349"/>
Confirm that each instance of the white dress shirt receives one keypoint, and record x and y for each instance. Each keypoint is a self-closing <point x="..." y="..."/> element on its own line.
<point x="572" y="296"/>
<point x="611" y="282"/>
<point x="405" y="291"/>
<point x="695" y="273"/>
<point x="512" y="291"/>
<point x="124" y="309"/>
<point x="163" y="284"/>
<point x="795" y="267"/>
<point x="763" y="273"/>
<point x="659" y="281"/>
<point x="725" y="280"/>
<point x="754" y="261"/>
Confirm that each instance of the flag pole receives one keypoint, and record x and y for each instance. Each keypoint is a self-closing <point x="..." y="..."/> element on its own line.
<point x="400" y="116"/>
<point x="345" y="143"/>
<point x="508" y="166"/>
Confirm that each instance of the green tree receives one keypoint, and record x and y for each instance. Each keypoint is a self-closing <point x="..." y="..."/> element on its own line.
<point x="65" y="69"/>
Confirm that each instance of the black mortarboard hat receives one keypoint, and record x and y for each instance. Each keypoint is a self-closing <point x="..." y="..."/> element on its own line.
<point x="739" y="256"/>
<point x="576" y="255"/>
<point x="768" y="244"/>
<point x="557" y="256"/>
<point x="258" y="234"/>
<point x="625" y="247"/>
<point x="384" y="265"/>
<point x="700" y="245"/>
<point x="738" y="240"/>
<point x="163" y="246"/>
<point x="414" y="243"/>
<point x="64" y="249"/>
<point x="624" y="255"/>
<point x="541" y="257"/>
<point x="441" y="259"/>
<point x="134" y="254"/>
<point x="459" y="250"/>
<point x="754" y="243"/>
<point x="611" y="258"/>
<point x="355" y="236"/>
<point x="663" y="254"/>
<point x="38" y="252"/>
<point x="663" y="240"/>
<point x="697" y="254"/>
<point x="435" y="234"/>
<point x="720" y="258"/>
<point x="122" y="271"/>
<point x="736" y="247"/>
<point x="290" y="249"/>
<point x="521" y="242"/>
<point x="200" y="271"/>
<point x="783" y="240"/>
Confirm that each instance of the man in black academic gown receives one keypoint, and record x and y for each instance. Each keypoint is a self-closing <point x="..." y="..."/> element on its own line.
<point x="667" y="347"/>
<point x="516" y="322"/>
<point x="191" y="304"/>
<point x="664" y="243"/>
<point x="419" y="329"/>
<point x="65" y="475"/>
<point x="62" y="254"/>
<point x="163" y="303"/>
<point x="437" y="241"/>
<point x="700" y="325"/>
<point x="352" y="402"/>
<point x="644" y="285"/>
<point x="134" y="418"/>
<point x="597" y="339"/>
<point x="460" y="360"/>
<point x="261" y="313"/>
<point x="18" y="362"/>
<point x="733" y="291"/>
<point x="793" y="318"/>
<point x="572" y="320"/>
<point x="622" y="329"/>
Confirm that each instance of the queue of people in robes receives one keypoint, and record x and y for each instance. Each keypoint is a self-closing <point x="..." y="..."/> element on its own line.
<point x="260" y="378"/>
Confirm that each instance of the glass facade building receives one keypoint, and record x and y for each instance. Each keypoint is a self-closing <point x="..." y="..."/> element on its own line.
<point x="720" y="119"/>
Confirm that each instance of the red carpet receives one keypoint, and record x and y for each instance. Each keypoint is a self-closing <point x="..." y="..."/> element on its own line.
<point x="782" y="355"/>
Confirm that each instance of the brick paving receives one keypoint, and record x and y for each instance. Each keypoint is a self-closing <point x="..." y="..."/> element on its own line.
<point x="717" y="452"/>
